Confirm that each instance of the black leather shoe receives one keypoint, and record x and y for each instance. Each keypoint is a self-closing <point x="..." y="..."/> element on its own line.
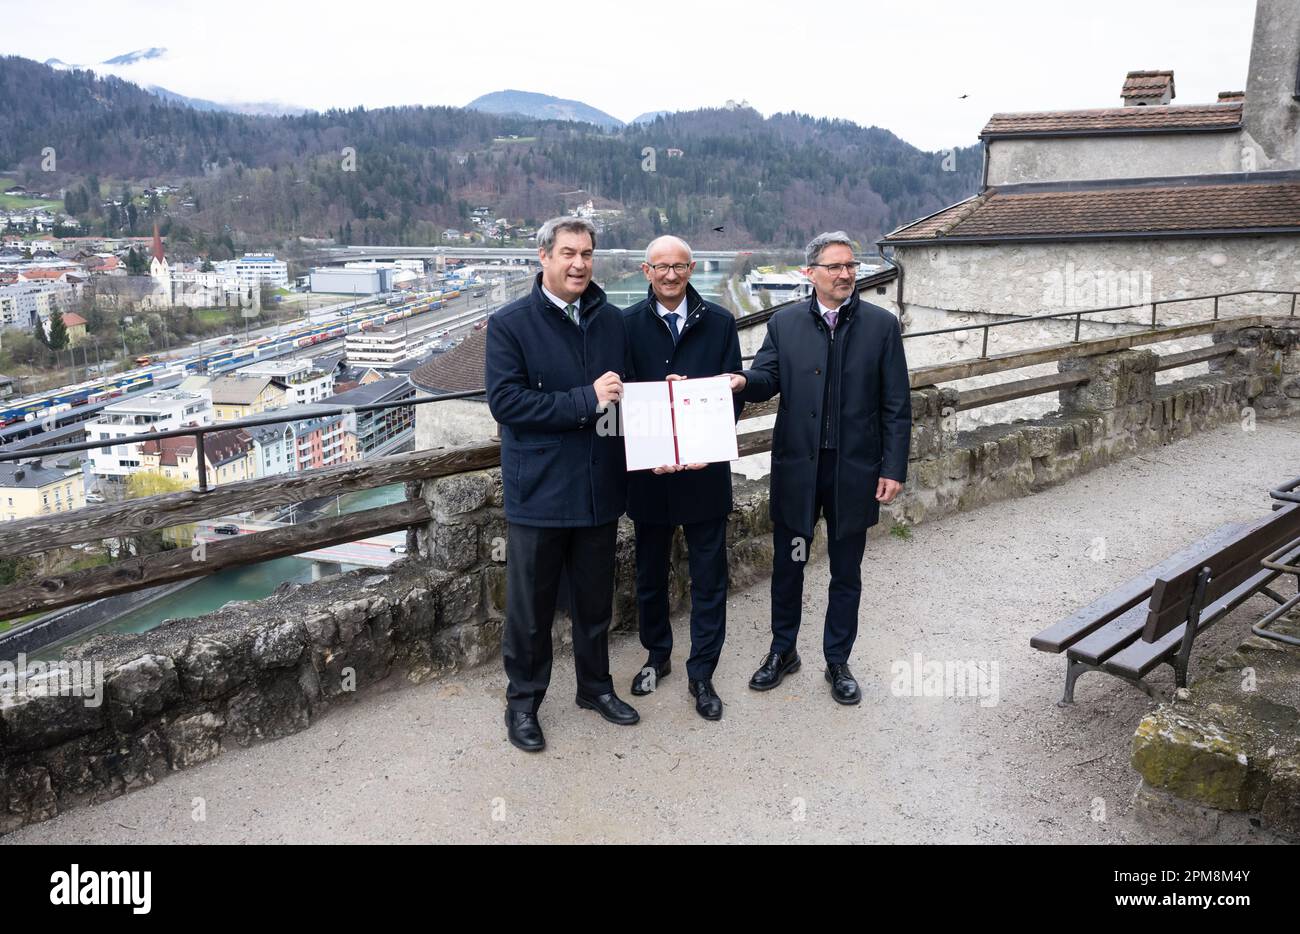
<point x="610" y="707"/>
<point x="774" y="669"/>
<point x="844" y="687"/>
<point x="524" y="730"/>
<point x="707" y="702"/>
<point x="648" y="678"/>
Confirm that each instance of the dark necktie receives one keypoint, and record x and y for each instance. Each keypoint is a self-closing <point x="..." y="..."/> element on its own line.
<point x="672" y="326"/>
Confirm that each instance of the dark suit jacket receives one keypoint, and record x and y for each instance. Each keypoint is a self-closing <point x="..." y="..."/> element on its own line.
<point x="873" y="414"/>
<point x="709" y="346"/>
<point x="556" y="468"/>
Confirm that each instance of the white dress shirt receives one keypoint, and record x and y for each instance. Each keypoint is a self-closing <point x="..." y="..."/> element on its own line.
<point x="561" y="303"/>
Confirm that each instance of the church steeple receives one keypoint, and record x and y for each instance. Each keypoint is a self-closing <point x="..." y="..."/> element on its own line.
<point x="159" y="268"/>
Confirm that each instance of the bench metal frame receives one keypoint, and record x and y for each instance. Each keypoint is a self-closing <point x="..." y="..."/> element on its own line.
<point x="1074" y="668"/>
<point x="1274" y="562"/>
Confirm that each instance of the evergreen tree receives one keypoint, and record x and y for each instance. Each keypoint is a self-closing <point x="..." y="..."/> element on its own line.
<point x="58" y="331"/>
<point x="38" y="328"/>
<point x="136" y="264"/>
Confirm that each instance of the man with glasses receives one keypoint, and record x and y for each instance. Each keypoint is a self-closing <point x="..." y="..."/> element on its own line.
<point x="555" y="360"/>
<point x="839" y="449"/>
<point x="675" y="334"/>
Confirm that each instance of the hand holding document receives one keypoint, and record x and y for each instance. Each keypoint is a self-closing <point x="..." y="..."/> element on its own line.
<point x="678" y="423"/>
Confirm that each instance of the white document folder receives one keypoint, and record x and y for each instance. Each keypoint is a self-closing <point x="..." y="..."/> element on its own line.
<point x="689" y="421"/>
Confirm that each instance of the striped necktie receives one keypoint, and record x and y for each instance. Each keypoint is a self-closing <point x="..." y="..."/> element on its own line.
<point x="572" y="312"/>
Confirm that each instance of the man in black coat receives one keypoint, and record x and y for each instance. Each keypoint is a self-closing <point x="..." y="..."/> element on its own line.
<point x="555" y="361"/>
<point x="675" y="333"/>
<point x="839" y="449"/>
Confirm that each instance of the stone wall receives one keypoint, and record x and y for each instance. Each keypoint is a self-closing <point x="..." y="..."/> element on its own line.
<point x="178" y="695"/>
<point x="1117" y="413"/>
<point x="453" y="423"/>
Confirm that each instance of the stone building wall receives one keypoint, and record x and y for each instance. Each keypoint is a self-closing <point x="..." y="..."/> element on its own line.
<point x="1045" y="278"/>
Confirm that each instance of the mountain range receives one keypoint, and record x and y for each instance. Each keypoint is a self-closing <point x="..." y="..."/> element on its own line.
<point x="723" y="177"/>
<point x="521" y="103"/>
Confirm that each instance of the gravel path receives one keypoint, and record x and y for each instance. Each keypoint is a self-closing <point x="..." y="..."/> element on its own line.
<point x="430" y="762"/>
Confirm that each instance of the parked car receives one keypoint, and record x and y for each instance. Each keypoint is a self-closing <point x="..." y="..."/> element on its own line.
<point x="398" y="549"/>
<point x="226" y="529"/>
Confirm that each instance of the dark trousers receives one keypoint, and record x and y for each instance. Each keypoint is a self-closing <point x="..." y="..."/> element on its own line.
<point x="789" y="557"/>
<point x="535" y="560"/>
<point x="706" y="544"/>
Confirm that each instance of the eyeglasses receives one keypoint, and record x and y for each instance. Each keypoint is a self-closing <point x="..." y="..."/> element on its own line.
<point x="836" y="268"/>
<point x="680" y="268"/>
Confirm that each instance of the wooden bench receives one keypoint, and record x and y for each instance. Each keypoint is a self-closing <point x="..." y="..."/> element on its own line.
<point x="1154" y="618"/>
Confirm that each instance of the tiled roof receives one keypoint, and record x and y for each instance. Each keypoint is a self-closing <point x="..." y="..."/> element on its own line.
<point x="1119" y="211"/>
<point x="169" y="449"/>
<point x="219" y="447"/>
<point x="1147" y="85"/>
<point x="458" y="370"/>
<point x="1154" y="119"/>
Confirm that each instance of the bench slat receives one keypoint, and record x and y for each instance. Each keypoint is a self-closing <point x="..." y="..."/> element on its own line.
<point x="1101" y="644"/>
<point x="1060" y="636"/>
<point x="1171" y="595"/>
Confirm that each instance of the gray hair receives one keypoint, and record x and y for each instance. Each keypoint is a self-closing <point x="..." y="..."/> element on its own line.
<point x="546" y="233"/>
<point x="813" y="251"/>
<point x="667" y="238"/>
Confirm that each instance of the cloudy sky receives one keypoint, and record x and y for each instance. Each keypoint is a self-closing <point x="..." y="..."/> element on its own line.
<point x="902" y="66"/>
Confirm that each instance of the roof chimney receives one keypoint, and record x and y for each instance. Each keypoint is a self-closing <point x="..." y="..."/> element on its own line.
<point x="1147" y="87"/>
